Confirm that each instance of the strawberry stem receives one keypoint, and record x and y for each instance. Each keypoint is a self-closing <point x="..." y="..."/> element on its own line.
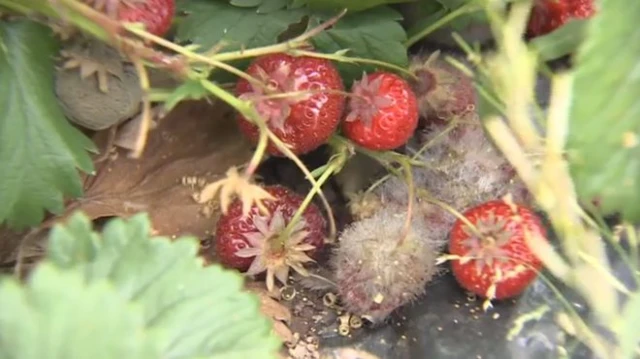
<point x="467" y="8"/>
<point x="415" y="156"/>
<point x="334" y="165"/>
<point x="145" y="124"/>
<point x="410" y="192"/>
<point x="192" y="56"/>
<point x="295" y="159"/>
<point x="340" y="58"/>
<point x="258" y="154"/>
<point x="297" y="42"/>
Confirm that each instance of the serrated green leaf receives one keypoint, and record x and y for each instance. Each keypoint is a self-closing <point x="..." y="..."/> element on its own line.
<point x="190" y="310"/>
<point x="59" y="315"/>
<point x="563" y="41"/>
<point x="351" y="6"/>
<point x="629" y="333"/>
<point x="373" y="34"/>
<point x="188" y="90"/>
<point x="39" y="150"/>
<point x="209" y="22"/>
<point x="605" y="113"/>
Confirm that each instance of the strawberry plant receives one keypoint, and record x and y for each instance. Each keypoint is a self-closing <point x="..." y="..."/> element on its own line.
<point x="167" y="114"/>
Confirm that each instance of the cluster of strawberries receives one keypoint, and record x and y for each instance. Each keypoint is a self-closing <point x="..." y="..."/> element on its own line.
<point x="303" y="102"/>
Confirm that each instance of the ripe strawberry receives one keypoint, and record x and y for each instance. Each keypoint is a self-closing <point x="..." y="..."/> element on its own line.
<point x="253" y="243"/>
<point x="383" y="112"/>
<point x="499" y="264"/>
<point x="303" y="121"/>
<point x="548" y="15"/>
<point x="156" y="15"/>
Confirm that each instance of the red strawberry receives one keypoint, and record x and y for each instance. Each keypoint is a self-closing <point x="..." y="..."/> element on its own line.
<point x="548" y="15"/>
<point x="383" y="112"/>
<point x="252" y="243"/>
<point x="304" y="121"/>
<point x="502" y="265"/>
<point x="156" y="15"/>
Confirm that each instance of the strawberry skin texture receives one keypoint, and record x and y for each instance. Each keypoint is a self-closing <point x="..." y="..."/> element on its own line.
<point x="518" y="271"/>
<point x="232" y="226"/>
<point x="389" y="124"/>
<point x="311" y="120"/>
<point x="548" y="15"/>
<point x="156" y="15"/>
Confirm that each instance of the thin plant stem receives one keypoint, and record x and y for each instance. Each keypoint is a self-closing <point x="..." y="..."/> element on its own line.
<point x="314" y="189"/>
<point x="145" y="124"/>
<point x="294" y="43"/>
<point x="469" y="7"/>
<point x="341" y="58"/>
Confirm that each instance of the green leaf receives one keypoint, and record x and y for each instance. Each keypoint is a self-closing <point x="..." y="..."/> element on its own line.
<point x="188" y="310"/>
<point x="188" y="90"/>
<point x="269" y="6"/>
<point x="605" y="114"/>
<point x="467" y="19"/>
<point x="563" y="41"/>
<point x="351" y="6"/>
<point x="209" y="22"/>
<point x="373" y="34"/>
<point x="245" y="3"/>
<point x="59" y="315"/>
<point x="629" y="334"/>
<point x="40" y="150"/>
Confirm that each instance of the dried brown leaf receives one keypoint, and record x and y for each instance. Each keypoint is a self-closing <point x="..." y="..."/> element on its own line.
<point x="196" y="140"/>
<point x="277" y="312"/>
<point x="20" y="250"/>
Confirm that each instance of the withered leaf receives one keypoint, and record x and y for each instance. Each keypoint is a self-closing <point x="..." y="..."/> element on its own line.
<point x="19" y="250"/>
<point x="277" y="312"/>
<point x="196" y="141"/>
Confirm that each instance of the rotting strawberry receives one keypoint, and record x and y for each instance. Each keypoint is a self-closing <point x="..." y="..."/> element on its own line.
<point x="496" y="262"/>
<point x="383" y="112"/>
<point x="444" y="92"/>
<point x="305" y="120"/>
<point x="156" y="15"/>
<point x="548" y="15"/>
<point x="253" y="243"/>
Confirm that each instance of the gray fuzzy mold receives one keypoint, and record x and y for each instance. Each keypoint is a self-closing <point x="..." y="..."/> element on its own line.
<point x="81" y="98"/>
<point x="376" y="271"/>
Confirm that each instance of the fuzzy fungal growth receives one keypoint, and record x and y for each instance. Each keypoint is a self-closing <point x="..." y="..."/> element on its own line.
<point x="376" y="272"/>
<point x="461" y="169"/>
<point x="444" y="92"/>
<point x="96" y="88"/>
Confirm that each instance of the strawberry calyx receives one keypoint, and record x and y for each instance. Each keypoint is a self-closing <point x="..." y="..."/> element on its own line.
<point x="367" y="100"/>
<point x="486" y="246"/>
<point x="274" y="253"/>
<point x="94" y="59"/>
<point x="275" y="110"/>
